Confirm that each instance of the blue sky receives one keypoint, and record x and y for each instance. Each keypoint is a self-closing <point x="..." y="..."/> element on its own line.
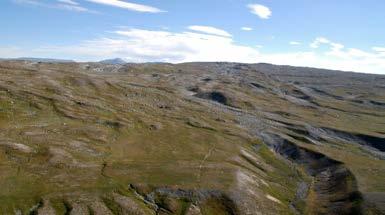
<point x="346" y="35"/>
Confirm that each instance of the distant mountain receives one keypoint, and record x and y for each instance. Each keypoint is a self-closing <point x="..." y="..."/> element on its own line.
<point x="113" y="61"/>
<point x="45" y="60"/>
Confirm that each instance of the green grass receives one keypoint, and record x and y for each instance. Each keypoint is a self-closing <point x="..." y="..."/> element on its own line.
<point x="113" y="116"/>
<point x="284" y="179"/>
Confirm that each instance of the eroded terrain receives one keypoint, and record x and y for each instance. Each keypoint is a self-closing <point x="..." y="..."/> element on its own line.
<point x="193" y="138"/>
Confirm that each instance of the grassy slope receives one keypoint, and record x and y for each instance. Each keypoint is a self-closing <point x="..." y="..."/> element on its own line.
<point x="93" y="134"/>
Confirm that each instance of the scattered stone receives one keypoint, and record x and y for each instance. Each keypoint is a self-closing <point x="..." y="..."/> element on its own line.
<point x="273" y="199"/>
<point x="17" y="146"/>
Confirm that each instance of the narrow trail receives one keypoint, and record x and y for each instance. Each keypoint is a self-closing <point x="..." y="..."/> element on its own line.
<point x="202" y="163"/>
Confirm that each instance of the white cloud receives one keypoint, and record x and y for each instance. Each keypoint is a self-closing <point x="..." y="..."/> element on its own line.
<point x="322" y="40"/>
<point x="336" y="49"/>
<point x="60" y="4"/>
<point x="72" y="7"/>
<point x="209" y="30"/>
<point x="379" y="49"/>
<point x="32" y="2"/>
<point x="318" y="41"/>
<point x="13" y="52"/>
<point x="71" y="2"/>
<point x="139" y="45"/>
<point x="128" y="5"/>
<point x="294" y="43"/>
<point x="246" y="29"/>
<point x="260" y="10"/>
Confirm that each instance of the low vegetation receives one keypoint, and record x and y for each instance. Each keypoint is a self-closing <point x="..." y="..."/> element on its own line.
<point x="194" y="138"/>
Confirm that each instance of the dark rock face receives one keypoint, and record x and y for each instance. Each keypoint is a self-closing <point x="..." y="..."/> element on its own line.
<point x="214" y="96"/>
<point x="334" y="185"/>
<point x="258" y="85"/>
<point x="362" y="139"/>
<point x="381" y="104"/>
<point x="375" y="142"/>
<point x="324" y="93"/>
<point x="177" y="201"/>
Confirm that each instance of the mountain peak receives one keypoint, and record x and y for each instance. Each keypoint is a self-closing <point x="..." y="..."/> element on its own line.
<point x="113" y="61"/>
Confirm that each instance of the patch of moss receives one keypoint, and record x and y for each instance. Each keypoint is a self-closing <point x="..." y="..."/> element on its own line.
<point x="112" y="205"/>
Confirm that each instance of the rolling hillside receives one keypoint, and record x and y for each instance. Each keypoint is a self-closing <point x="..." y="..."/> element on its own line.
<point x="192" y="138"/>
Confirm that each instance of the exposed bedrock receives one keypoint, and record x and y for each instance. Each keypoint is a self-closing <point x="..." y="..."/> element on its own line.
<point x="333" y="189"/>
<point x="362" y="139"/>
<point x="214" y="96"/>
<point x="168" y="200"/>
<point x="371" y="143"/>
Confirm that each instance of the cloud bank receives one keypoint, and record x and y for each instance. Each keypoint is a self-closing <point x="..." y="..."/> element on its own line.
<point x="74" y="5"/>
<point x="206" y="44"/>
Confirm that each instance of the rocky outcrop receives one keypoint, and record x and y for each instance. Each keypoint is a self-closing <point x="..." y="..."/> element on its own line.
<point x="333" y="189"/>
<point x="178" y="201"/>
